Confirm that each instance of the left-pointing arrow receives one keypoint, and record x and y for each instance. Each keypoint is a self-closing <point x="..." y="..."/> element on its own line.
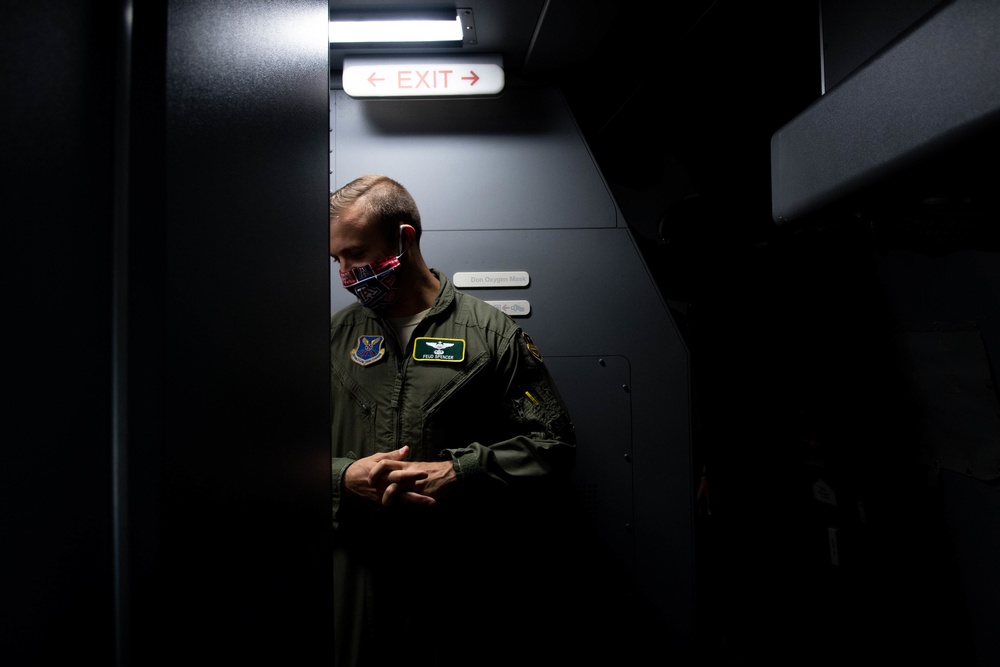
<point x="372" y="79"/>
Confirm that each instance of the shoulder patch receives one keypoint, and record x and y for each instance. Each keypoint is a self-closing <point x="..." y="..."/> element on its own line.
<point x="368" y="350"/>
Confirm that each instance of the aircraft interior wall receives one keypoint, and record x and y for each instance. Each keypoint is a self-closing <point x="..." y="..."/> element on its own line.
<point x="508" y="185"/>
<point x="893" y="166"/>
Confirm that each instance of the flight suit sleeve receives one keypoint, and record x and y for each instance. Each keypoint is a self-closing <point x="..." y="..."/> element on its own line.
<point x="339" y="467"/>
<point x="345" y="451"/>
<point x="539" y="442"/>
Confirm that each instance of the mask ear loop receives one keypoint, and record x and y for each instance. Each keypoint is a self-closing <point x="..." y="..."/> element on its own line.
<point x="400" y="254"/>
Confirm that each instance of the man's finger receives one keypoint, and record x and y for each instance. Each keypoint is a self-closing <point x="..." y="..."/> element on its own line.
<point x="398" y="493"/>
<point x="389" y="495"/>
<point x="406" y="475"/>
<point x="414" y="498"/>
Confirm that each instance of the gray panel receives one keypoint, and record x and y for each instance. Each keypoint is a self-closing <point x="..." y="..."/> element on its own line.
<point x="855" y="30"/>
<point x="512" y="162"/>
<point x="596" y="391"/>
<point x="933" y="88"/>
<point x="229" y="423"/>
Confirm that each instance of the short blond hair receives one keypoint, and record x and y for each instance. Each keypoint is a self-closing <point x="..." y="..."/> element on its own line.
<point x="384" y="201"/>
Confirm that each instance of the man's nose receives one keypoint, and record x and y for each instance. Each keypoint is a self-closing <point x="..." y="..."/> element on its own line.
<point x="348" y="265"/>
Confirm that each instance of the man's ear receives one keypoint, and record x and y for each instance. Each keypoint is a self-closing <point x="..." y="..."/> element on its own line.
<point x="407" y="234"/>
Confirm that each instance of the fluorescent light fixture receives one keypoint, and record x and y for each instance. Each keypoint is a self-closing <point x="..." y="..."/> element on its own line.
<point x="391" y="31"/>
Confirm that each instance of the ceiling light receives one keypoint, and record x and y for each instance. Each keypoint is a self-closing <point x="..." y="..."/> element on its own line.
<point x="368" y="30"/>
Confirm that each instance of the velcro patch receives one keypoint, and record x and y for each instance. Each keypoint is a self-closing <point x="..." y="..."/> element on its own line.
<point x="530" y="344"/>
<point x="369" y="350"/>
<point x="439" y="349"/>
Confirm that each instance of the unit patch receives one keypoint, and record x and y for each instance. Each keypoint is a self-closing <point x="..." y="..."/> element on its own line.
<point x="530" y="344"/>
<point x="369" y="350"/>
<point x="439" y="349"/>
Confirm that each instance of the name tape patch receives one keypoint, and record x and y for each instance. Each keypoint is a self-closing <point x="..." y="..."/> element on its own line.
<point x="439" y="349"/>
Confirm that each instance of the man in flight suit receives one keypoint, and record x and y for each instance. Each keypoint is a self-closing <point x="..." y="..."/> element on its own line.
<point x="450" y="446"/>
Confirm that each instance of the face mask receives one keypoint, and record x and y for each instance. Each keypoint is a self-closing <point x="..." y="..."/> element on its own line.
<point x="374" y="284"/>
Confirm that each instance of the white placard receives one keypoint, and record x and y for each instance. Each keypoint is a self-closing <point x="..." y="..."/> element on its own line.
<point x="512" y="308"/>
<point x="491" y="279"/>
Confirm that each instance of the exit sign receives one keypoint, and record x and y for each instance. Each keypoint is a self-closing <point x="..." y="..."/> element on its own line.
<point x="422" y="77"/>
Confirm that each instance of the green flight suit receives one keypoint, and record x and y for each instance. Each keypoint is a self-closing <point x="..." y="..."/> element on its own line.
<point x="472" y="388"/>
